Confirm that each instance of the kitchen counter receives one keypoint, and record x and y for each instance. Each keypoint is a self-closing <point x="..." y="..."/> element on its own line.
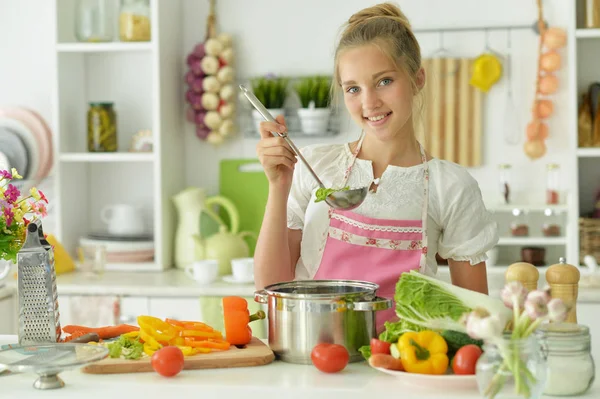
<point x="175" y="283"/>
<point x="286" y="380"/>
<point x="7" y="291"/>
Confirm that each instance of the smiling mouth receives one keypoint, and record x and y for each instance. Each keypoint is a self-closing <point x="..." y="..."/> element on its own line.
<point x="378" y="117"/>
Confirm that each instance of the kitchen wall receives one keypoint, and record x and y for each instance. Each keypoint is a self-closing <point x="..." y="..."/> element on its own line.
<point x="297" y="37"/>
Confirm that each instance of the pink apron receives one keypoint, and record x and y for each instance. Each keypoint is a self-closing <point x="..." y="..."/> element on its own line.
<point x="375" y="250"/>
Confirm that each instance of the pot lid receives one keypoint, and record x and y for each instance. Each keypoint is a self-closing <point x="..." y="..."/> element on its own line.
<point x="322" y="289"/>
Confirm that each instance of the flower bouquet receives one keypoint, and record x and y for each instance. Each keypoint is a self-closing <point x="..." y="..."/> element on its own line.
<point x="14" y="207"/>
<point x="513" y="362"/>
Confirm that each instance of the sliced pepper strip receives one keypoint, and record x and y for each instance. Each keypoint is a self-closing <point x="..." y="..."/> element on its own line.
<point x="212" y="344"/>
<point x="159" y="329"/>
<point x="201" y="334"/>
<point x="423" y="352"/>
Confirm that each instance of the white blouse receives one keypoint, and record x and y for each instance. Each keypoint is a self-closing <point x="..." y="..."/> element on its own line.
<point x="458" y="226"/>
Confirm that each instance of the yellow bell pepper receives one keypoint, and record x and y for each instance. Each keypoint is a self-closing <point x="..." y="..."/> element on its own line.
<point x="425" y="352"/>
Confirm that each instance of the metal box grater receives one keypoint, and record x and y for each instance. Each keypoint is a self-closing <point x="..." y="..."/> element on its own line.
<point x="38" y="298"/>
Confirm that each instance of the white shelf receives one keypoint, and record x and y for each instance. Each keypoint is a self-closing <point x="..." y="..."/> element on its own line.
<point x="103" y="47"/>
<point x="529" y="208"/>
<point x="107" y="157"/>
<point x="588" y="152"/>
<point x="494" y="270"/>
<point x="532" y="241"/>
<point x="587" y="33"/>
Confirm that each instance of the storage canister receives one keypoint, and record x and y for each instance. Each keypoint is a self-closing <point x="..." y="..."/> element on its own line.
<point x="102" y="127"/>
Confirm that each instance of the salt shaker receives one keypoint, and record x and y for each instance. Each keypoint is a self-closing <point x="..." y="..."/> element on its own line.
<point x="564" y="284"/>
<point x="523" y="272"/>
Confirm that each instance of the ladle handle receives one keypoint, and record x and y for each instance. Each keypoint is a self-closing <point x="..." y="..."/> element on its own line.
<point x="267" y="115"/>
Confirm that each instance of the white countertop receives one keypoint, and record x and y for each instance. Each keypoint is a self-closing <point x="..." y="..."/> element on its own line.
<point x="358" y="380"/>
<point x="175" y="283"/>
<point x="6" y="291"/>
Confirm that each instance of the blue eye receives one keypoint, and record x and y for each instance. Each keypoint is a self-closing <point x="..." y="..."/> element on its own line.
<point x="352" y="89"/>
<point x="385" y="82"/>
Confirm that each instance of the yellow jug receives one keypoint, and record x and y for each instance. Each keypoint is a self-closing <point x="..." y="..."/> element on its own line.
<point x="63" y="263"/>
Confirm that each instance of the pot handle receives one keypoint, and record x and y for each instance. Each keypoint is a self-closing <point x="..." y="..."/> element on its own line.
<point x="260" y="296"/>
<point x="378" y="303"/>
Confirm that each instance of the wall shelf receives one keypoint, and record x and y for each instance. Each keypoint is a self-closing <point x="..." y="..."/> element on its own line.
<point x="587" y="33"/>
<point x="532" y="241"/>
<point x="107" y="157"/>
<point x="103" y="47"/>
<point x="591" y="152"/>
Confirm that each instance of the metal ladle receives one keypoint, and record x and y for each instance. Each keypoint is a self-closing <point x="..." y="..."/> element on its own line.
<point x="347" y="199"/>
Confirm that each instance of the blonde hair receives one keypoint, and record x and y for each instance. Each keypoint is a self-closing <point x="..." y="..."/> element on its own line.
<point x="386" y="27"/>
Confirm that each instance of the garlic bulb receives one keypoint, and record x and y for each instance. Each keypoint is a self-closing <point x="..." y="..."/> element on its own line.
<point x="225" y="74"/>
<point x="210" y="65"/>
<point x="211" y="84"/>
<point x="227" y="93"/>
<point x="227" y="127"/>
<point x="215" y="138"/>
<point x="213" y="47"/>
<point x="210" y="101"/>
<point x="225" y="39"/>
<point x="213" y="120"/>
<point x="227" y="110"/>
<point x="227" y="55"/>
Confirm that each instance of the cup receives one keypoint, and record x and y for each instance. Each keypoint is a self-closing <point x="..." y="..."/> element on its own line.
<point x="243" y="269"/>
<point x="92" y="259"/>
<point x="123" y="219"/>
<point x="203" y="271"/>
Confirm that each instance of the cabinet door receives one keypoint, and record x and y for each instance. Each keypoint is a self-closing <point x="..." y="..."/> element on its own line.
<point x="8" y="315"/>
<point x="176" y="308"/>
<point x="131" y="308"/>
<point x="101" y="310"/>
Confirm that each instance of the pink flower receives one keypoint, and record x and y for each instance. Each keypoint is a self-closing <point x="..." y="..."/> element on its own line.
<point x="5" y="174"/>
<point x="41" y="210"/>
<point x="42" y="197"/>
<point x="8" y="216"/>
<point x="12" y="193"/>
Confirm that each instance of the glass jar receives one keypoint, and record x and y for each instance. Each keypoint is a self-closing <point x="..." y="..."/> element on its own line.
<point x="512" y="369"/>
<point x="552" y="184"/>
<point x="102" y="127"/>
<point x="134" y="21"/>
<point x="519" y="227"/>
<point x="551" y="225"/>
<point x="504" y="182"/>
<point x="93" y="22"/>
<point x="592" y="14"/>
<point x="571" y="368"/>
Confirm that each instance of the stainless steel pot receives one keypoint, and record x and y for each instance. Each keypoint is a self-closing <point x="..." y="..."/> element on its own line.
<point x="302" y="314"/>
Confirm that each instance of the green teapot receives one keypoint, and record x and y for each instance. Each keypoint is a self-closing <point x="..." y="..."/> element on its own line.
<point x="225" y="245"/>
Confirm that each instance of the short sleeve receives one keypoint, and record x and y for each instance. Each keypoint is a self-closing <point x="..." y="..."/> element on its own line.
<point x="299" y="197"/>
<point x="468" y="228"/>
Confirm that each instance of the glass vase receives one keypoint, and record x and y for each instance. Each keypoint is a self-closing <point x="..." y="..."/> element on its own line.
<point x="512" y="369"/>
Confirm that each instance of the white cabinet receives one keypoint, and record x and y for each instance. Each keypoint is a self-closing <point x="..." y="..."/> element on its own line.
<point x="176" y="308"/>
<point x="101" y="310"/>
<point x="8" y="315"/>
<point x="144" y="81"/>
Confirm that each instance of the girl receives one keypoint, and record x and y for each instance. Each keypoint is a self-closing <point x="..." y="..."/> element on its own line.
<point x="417" y="205"/>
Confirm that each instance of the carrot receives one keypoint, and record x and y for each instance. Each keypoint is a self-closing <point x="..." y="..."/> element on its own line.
<point x="103" y="332"/>
<point x="386" y="361"/>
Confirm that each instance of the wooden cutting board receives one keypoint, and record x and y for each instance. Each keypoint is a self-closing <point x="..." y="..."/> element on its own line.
<point x="254" y="354"/>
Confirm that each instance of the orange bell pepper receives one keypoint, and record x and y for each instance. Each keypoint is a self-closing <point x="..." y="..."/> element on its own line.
<point x="236" y="319"/>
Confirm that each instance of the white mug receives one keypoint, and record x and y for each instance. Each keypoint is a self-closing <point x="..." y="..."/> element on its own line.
<point x="243" y="269"/>
<point x="5" y="266"/>
<point x="123" y="219"/>
<point x="203" y="271"/>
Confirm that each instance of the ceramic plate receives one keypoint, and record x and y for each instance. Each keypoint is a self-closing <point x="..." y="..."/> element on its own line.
<point x="28" y="138"/>
<point x="233" y="280"/>
<point x="14" y="148"/>
<point x="38" y="130"/>
<point x="48" y="133"/>
<point x="446" y="381"/>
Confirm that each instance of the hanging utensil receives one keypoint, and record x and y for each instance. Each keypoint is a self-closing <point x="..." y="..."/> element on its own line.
<point x="346" y="199"/>
<point x="511" y="113"/>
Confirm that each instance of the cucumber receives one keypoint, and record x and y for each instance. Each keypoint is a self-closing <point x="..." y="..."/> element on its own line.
<point x="394" y="351"/>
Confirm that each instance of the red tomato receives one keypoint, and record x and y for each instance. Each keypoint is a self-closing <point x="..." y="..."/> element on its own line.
<point x="378" y="346"/>
<point x="330" y="358"/>
<point x="465" y="359"/>
<point x="167" y="361"/>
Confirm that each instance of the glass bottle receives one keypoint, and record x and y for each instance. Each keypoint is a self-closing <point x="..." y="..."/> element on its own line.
<point x="134" y="21"/>
<point x="512" y="368"/>
<point x="504" y="182"/>
<point x="592" y="14"/>
<point x="519" y="226"/>
<point x="93" y="22"/>
<point x="551" y="225"/>
<point x="567" y="347"/>
<point x="552" y="184"/>
<point x="102" y="127"/>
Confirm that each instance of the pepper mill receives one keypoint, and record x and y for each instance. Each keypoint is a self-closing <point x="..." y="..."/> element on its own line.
<point x="564" y="284"/>
<point x="523" y="272"/>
